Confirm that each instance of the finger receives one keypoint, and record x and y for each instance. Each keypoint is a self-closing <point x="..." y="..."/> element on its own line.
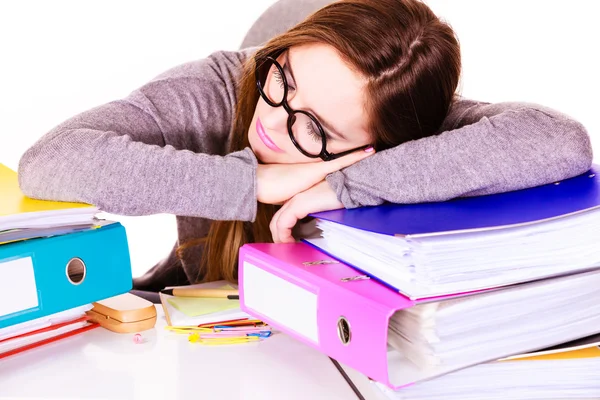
<point x="286" y="222"/>
<point x="309" y="174"/>
<point x="273" y="224"/>
<point x="339" y="163"/>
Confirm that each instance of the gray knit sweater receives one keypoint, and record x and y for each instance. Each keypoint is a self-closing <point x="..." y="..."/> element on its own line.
<point x="163" y="149"/>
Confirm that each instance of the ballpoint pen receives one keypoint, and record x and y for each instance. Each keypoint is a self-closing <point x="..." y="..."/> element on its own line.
<point x="235" y="322"/>
<point x="231" y="294"/>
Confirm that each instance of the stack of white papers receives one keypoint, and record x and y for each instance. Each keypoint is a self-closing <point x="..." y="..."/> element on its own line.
<point x="22" y="217"/>
<point x="48" y="218"/>
<point x="424" y="266"/>
<point x="39" y="331"/>
<point x="440" y="337"/>
<point x="570" y="371"/>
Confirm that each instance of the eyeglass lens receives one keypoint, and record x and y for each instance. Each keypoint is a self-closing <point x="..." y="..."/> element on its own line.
<point x="304" y="129"/>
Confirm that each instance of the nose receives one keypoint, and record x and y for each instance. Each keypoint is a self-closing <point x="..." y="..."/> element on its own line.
<point x="275" y="119"/>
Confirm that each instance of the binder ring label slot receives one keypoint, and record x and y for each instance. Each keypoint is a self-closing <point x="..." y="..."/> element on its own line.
<point x="76" y="270"/>
<point x="282" y="301"/>
<point x="22" y="293"/>
<point x="343" y="330"/>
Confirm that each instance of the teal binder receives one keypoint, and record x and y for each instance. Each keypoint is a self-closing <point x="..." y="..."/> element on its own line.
<point x="47" y="275"/>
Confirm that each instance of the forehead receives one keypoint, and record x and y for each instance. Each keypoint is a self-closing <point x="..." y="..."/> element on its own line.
<point x="329" y="87"/>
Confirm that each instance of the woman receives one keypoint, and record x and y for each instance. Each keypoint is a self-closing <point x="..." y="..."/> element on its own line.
<point x="353" y="106"/>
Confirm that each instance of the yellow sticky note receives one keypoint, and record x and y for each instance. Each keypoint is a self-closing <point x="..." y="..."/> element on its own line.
<point x="194" y="306"/>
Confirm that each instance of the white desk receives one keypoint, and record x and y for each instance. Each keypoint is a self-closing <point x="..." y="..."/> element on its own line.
<point x="100" y="364"/>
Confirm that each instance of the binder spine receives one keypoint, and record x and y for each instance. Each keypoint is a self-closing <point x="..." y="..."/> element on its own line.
<point x="69" y="271"/>
<point x="331" y="318"/>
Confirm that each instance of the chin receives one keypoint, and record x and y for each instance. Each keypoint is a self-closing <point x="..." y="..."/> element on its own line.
<point x="261" y="157"/>
<point x="266" y="157"/>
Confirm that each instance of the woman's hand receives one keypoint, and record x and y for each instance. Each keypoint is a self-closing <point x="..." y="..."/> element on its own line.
<point x="277" y="183"/>
<point x="318" y="198"/>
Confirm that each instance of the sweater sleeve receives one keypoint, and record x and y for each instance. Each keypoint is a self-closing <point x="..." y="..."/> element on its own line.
<point x="160" y="150"/>
<point x="482" y="149"/>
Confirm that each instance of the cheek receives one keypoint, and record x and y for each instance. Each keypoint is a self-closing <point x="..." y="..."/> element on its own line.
<point x="291" y="155"/>
<point x="252" y="135"/>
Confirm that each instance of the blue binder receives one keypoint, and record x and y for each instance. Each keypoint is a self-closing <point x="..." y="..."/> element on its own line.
<point x="47" y="275"/>
<point x="536" y="204"/>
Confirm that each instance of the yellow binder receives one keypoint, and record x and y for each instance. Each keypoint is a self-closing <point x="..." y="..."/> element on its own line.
<point x="18" y="211"/>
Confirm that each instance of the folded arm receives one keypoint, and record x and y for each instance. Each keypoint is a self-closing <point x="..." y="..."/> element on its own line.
<point x="483" y="149"/>
<point x="160" y="150"/>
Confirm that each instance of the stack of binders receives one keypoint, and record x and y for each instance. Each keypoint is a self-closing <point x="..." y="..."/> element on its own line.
<point x="471" y="298"/>
<point x="56" y="259"/>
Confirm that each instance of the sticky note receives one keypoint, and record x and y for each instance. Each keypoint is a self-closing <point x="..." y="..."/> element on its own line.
<point x="195" y="306"/>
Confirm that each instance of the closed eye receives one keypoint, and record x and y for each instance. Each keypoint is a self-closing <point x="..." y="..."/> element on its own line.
<point x="314" y="132"/>
<point x="289" y="77"/>
<point x="278" y="78"/>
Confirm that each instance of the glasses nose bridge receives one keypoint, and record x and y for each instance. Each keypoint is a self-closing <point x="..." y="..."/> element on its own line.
<point x="286" y="106"/>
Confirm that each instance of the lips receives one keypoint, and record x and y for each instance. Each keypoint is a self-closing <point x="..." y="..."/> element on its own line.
<point x="262" y="134"/>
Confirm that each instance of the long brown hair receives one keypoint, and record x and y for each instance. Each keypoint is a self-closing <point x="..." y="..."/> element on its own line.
<point x="411" y="60"/>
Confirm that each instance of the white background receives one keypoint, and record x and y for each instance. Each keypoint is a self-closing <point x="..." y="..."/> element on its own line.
<point x="58" y="58"/>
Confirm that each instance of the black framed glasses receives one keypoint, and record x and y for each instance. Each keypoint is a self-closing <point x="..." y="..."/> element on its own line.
<point x="304" y="129"/>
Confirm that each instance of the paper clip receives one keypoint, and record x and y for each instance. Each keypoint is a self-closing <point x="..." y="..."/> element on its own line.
<point x="187" y="329"/>
<point x="220" y="335"/>
<point x="263" y="334"/>
<point x="241" y="328"/>
<point x="195" y="338"/>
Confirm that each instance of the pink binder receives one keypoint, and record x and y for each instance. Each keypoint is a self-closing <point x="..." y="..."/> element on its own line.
<point x="328" y="305"/>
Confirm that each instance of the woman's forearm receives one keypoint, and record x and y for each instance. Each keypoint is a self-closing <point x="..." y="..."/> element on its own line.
<point x="492" y="149"/>
<point x="160" y="150"/>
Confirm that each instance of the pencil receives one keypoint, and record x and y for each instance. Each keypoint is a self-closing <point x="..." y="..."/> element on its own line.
<point x="231" y="294"/>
